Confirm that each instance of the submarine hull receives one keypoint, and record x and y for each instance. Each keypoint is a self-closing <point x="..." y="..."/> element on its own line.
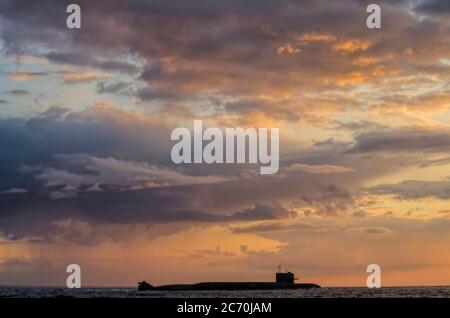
<point x="232" y="286"/>
<point x="283" y="280"/>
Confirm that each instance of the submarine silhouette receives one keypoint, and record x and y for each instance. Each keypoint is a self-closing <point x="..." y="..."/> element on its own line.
<point x="283" y="280"/>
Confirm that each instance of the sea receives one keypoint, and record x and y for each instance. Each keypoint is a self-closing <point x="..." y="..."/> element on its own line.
<point x="331" y="292"/>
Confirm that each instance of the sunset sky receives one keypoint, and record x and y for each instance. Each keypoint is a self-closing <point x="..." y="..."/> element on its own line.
<point x="86" y="117"/>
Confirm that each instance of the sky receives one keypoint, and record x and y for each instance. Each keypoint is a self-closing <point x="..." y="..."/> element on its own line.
<point x="86" y="117"/>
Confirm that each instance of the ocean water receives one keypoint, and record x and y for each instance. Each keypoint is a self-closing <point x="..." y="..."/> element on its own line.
<point x="334" y="292"/>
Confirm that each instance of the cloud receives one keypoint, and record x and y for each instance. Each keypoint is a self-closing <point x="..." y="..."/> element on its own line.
<point x="80" y="58"/>
<point x="125" y="176"/>
<point x="138" y="207"/>
<point x="15" y="190"/>
<point x="119" y="132"/>
<point x="117" y="87"/>
<point x="438" y="7"/>
<point x="264" y="211"/>
<point x="403" y="140"/>
<point x="122" y="176"/>
<point x="435" y="101"/>
<point x="351" y="46"/>
<point x="414" y="189"/>
<point x="94" y="188"/>
<point x="19" y="92"/>
<point x="360" y="214"/>
<point x="58" y="195"/>
<point x="352" y="78"/>
<point x="358" y="126"/>
<point x="331" y="200"/>
<point x="114" y="172"/>
<point x="212" y="253"/>
<point x="308" y="38"/>
<point x="298" y="167"/>
<point x="265" y="227"/>
<point x="15" y="262"/>
<point x="372" y="230"/>
<point x="79" y="77"/>
<point x="24" y="76"/>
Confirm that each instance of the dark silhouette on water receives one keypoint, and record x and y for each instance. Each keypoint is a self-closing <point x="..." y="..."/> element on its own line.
<point x="282" y="281"/>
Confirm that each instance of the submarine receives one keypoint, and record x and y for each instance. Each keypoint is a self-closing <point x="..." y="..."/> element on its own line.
<point x="283" y="280"/>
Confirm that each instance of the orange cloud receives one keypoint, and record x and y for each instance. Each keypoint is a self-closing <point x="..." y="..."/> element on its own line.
<point x="77" y="77"/>
<point x="351" y="46"/>
<point x="316" y="37"/>
<point x="24" y="76"/>
<point x="353" y="78"/>
<point x="288" y="48"/>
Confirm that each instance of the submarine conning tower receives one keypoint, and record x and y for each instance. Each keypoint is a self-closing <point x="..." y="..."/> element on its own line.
<point x="286" y="278"/>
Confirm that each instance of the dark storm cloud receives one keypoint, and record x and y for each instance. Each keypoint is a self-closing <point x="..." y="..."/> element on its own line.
<point x="106" y="165"/>
<point x="58" y="131"/>
<point x="121" y="176"/>
<point x="433" y="7"/>
<point x="151" y="206"/>
<point x="403" y="140"/>
<point x="35" y="142"/>
<point x="414" y="189"/>
<point x="111" y="166"/>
